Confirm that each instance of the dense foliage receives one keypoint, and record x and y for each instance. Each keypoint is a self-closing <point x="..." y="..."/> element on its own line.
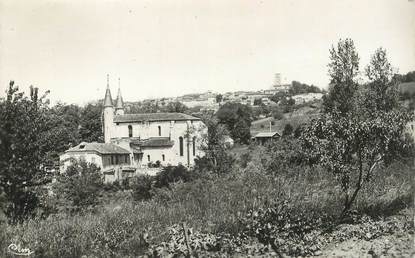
<point x="23" y="148"/>
<point x="237" y="118"/>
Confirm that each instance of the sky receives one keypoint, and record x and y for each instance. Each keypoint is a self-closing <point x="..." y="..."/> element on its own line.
<point x="166" y="48"/>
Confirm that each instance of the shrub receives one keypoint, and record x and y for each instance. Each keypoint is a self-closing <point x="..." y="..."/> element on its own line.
<point x="79" y="187"/>
<point x="141" y="187"/>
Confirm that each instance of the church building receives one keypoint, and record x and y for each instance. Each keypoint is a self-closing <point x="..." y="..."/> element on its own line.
<point x="151" y="140"/>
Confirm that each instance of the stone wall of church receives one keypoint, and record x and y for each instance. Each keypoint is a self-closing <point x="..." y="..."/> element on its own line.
<point x="172" y="129"/>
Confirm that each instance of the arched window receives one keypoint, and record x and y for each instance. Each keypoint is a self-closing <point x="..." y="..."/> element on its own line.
<point x="163" y="157"/>
<point x="194" y="146"/>
<point x="181" y="145"/>
<point x="159" y="130"/>
<point x="148" y="157"/>
<point x="130" y="131"/>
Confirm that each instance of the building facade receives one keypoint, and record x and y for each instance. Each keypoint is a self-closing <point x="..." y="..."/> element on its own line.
<point x="152" y="140"/>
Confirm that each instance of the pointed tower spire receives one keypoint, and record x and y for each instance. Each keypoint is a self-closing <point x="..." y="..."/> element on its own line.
<point x="119" y="103"/>
<point x="108" y="98"/>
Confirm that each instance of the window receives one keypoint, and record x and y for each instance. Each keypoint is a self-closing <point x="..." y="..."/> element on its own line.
<point x="148" y="157"/>
<point x="181" y="145"/>
<point x="163" y="157"/>
<point x="194" y="146"/>
<point x="112" y="160"/>
<point x="159" y="130"/>
<point x="126" y="159"/>
<point x="116" y="160"/>
<point x="130" y="131"/>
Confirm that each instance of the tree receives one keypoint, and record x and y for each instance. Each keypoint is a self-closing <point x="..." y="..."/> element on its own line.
<point x="382" y="91"/>
<point x="219" y="98"/>
<point x="257" y="102"/>
<point x="363" y="128"/>
<point x="176" y="107"/>
<point x="23" y="150"/>
<point x="213" y="144"/>
<point x="352" y="147"/>
<point x="90" y="124"/>
<point x="231" y="115"/>
<point x="80" y="184"/>
<point x="301" y="88"/>
<point x="343" y="72"/>
<point x="288" y="130"/>
<point x="277" y="97"/>
<point x="276" y="113"/>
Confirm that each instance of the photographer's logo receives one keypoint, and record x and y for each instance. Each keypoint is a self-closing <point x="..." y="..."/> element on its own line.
<point x="18" y="250"/>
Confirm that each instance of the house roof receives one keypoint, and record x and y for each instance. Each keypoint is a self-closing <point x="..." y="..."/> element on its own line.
<point x="266" y="135"/>
<point x="155" y="142"/>
<point x="153" y="117"/>
<point x="101" y="148"/>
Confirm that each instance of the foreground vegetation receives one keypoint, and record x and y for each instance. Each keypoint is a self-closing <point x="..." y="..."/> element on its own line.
<point x="298" y="208"/>
<point x="336" y="178"/>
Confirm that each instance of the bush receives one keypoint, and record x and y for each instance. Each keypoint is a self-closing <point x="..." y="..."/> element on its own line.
<point x="141" y="187"/>
<point x="79" y="187"/>
<point x="172" y="174"/>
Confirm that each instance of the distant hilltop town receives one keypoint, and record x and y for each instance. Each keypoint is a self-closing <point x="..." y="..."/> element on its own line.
<point x="211" y="101"/>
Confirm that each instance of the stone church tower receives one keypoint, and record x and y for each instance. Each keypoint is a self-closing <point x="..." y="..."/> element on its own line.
<point x="108" y="113"/>
<point x="119" y="103"/>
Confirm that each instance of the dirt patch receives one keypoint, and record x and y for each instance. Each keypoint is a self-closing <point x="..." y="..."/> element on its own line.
<point x="399" y="243"/>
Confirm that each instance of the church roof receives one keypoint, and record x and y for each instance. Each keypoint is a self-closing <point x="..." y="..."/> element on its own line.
<point x="101" y="148"/>
<point x="153" y="117"/>
<point x="156" y="142"/>
<point x="108" y="99"/>
<point x="119" y="103"/>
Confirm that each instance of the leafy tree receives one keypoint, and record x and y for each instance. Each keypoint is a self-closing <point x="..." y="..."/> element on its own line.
<point x="257" y="102"/>
<point x="301" y="88"/>
<point x="231" y="114"/>
<point x="176" y="107"/>
<point x="360" y="132"/>
<point x="80" y="184"/>
<point x="171" y="174"/>
<point x="90" y="126"/>
<point x="277" y="97"/>
<point x="63" y="129"/>
<point x="219" y="98"/>
<point x="141" y="187"/>
<point x="343" y="72"/>
<point x="23" y="150"/>
<point x="352" y="147"/>
<point x="276" y="113"/>
<point x="382" y="93"/>
<point x="288" y="130"/>
<point x="241" y="131"/>
<point x="213" y="144"/>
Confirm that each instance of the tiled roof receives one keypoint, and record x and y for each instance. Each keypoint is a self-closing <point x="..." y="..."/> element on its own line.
<point x="155" y="142"/>
<point x="102" y="148"/>
<point x="153" y="117"/>
<point x="266" y="135"/>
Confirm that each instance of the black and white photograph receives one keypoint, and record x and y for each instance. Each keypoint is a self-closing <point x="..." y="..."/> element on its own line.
<point x="207" y="128"/>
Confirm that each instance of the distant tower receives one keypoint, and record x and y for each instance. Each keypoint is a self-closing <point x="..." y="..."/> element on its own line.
<point x="277" y="79"/>
<point x="108" y="113"/>
<point x="119" y="104"/>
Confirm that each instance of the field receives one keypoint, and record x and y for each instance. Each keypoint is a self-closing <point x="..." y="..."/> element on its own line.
<point x="233" y="215"/>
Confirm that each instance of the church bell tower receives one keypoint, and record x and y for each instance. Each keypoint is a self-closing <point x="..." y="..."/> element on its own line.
<point x="119" y="103"/>
<point x="108" y="114"/>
